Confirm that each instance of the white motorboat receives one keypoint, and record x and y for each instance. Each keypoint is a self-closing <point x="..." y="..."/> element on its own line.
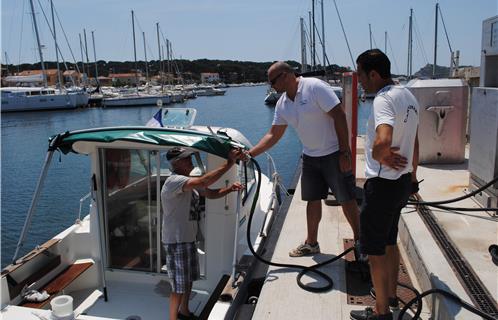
<point x="40" y="98"/>
<point x="272" y="97"/>
<point x="141" y="99"/>
<point x="210" y="91"/>
<point x="111" y="262"/>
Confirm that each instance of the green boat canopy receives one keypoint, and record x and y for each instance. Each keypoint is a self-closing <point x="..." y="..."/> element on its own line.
<point x="218" y="145"/>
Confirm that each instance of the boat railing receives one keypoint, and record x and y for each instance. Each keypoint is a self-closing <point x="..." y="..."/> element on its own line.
<point x="82" y="200"/>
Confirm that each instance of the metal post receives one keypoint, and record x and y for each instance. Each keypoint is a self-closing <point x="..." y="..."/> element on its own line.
<point x="34" y="202"/>
<point x="236" y="241"/>
<point x="435" y="42"/>
<point x="39" y="44"/>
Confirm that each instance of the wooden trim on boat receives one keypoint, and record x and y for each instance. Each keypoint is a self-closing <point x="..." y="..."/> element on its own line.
<point x="30" y="255"/>
<point x="59" y="283"/>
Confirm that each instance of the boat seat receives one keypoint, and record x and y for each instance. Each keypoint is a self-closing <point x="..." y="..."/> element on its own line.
<point x="60" y="282"/>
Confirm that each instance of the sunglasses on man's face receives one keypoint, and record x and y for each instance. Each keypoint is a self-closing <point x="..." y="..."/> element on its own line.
<point x="274" y="80"/>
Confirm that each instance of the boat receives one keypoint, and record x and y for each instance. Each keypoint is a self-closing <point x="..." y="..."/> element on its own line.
<point x="209" y="91"/>
<point x="40" y="98"/>
<point x="136" y="99"/>
<point x="110" y="262"/>
<point x="272" y="97"/>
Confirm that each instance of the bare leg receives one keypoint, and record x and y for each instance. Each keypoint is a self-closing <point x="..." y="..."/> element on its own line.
<point x="380" y="277"/>
<point x="174" y="304"/>
<point x="313" y="217"/>
<point x="352" y="214"/>
<point x="184" y="301"/>
<point x="392" y="257"/>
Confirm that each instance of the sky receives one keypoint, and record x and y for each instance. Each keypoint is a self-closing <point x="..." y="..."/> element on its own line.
<point x="247" y="30"/>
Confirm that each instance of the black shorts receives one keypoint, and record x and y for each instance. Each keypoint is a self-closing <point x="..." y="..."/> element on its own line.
<point x="322" y="173"/>
<point x="380" y="211"/>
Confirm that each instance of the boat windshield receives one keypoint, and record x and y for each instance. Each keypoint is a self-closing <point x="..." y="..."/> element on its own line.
<point x="132" y="182"/>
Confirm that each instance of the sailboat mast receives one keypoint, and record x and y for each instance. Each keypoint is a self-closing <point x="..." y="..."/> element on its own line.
<point x="323" y="39"/>
<point x="370" y="34"/>
<point x="59" y="80"/>
<point x="303" y="47"/>
<point x="146" y="62"/>
<point x="95" y="59"/>
<point x="313" y="43"/>
<point x="81" y="50"/>
<point x="39" y="44"/>
<point x="435" y="42"/>
<point x="134" y="47"/>
<point x="410" y="40"/>
<point x="160" y="58"/>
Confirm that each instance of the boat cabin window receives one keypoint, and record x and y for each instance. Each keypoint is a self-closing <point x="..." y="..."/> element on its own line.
<point x="132" y="183"/>
<point x="130" y="206"/>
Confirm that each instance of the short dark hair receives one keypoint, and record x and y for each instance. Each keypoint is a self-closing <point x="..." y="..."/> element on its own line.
<point x="375" y="59"/>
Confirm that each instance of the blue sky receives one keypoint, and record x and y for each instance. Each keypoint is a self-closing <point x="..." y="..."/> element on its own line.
<point x="248" y="30"/>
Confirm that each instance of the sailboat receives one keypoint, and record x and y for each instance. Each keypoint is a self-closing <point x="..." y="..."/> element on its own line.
<point x="137" y="98"/>
<point x="24" y="98"/>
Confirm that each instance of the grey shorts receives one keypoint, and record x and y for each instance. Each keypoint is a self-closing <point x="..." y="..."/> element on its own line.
<point x="182" y="265"/>
<point x="321" y="173"/>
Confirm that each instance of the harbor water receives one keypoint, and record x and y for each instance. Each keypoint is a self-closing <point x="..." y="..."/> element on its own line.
<point x="25" y="140"/>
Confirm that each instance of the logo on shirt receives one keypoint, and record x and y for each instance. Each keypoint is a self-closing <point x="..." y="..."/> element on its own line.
<point x="303" y="102"/>
<point x="410" y="107"/>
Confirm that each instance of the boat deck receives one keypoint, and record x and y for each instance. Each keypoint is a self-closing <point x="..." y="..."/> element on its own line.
<point x="471" y="233"/>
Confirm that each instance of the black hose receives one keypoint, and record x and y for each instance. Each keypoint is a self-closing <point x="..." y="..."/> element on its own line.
<point x="449" y="295"/>
<point x="304" y="269"/>
<point x="328" y="279"/>
<point x="473" y="193"/>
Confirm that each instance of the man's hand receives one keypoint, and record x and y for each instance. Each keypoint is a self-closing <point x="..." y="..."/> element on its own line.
<point x="234" y="155"/>
<point x="345" y="161"/>
<point x="394" y="160"/>
<point x="235" y="187"/>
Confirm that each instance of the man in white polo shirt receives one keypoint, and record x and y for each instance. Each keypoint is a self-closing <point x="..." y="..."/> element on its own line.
<point x="312" y="108"/>
<point x="391" y="151"/>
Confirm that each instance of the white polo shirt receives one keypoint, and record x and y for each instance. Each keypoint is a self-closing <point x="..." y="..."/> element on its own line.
<point x="307" y="114"/>
<point x="395" y="106"/>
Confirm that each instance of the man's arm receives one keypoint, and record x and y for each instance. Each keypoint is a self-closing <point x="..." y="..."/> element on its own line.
<point x="219" y="193"/>
<point x="341" y="129"/>
<point x="210" y="177"/>
<point x="269" y="139"/>
<point x="382" y="150"/>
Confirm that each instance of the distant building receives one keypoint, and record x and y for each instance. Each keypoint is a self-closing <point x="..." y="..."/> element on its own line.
<point x="51" y="75"/>
<point x="207" y="77"/>
<point x="75" y="75"/>
<point x="126" y="78"/>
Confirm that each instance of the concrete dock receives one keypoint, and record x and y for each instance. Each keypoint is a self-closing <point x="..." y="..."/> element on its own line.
<point x="426" y="264"/>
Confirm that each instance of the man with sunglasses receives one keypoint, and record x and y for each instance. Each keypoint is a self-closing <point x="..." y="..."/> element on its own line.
<point x="313" y="109"/>
<point x="180" y="203"/>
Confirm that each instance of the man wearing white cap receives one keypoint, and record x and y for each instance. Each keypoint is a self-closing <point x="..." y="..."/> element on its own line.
<point x="180" y="203"/>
